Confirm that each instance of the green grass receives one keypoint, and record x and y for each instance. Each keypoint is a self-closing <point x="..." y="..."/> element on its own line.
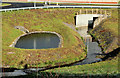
<point x="112" y="23"/>
<point x="5" y="4"/>
<point x="108" y="68"/>
<point x="41" y="58"/>
<point x="107" y="32"/>
<point x="102" y="68"/>
<point x="41" y="20"/>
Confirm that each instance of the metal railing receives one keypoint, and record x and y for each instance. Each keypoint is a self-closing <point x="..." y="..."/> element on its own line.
<point x="46" y="7"/>
<point x="94" y="11"/>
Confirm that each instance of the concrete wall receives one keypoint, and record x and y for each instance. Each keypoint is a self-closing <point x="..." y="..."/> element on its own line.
<point x="82" y="19"/>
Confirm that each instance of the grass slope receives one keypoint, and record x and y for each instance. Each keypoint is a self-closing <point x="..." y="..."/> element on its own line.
<point x="41" y="20"/>
<point x="4" y="4"/>
<point x="107" y="33"/>
<point x="96" y="69"/>
<point x="108" y="68"/>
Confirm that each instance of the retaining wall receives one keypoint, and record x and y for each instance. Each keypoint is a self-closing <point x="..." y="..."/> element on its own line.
<point x="82" y="19"/>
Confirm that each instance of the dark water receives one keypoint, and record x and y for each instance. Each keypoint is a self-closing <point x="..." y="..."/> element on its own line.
<point x="38" y="41"/>
<point x="93" y="50"/>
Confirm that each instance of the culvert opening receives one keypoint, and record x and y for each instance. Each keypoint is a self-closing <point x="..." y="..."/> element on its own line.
<point x="91" y="23"/>
<point x="38" y="41"/>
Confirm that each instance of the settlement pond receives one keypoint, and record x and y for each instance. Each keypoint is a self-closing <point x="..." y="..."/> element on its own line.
<point x="38" y="41"/>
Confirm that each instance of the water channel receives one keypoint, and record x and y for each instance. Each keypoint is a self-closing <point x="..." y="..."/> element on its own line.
<point x="93" y="49"/>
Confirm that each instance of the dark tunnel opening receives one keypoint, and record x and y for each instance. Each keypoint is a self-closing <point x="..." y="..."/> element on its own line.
<point x="91" y="23"/>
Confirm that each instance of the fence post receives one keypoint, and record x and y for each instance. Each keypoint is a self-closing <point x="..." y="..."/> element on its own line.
<point x="96" y="11"/>
<point x="86" y="11"/>
<point x="45" y="3"/>
<point x="101" y="11"/>
<point x="57" y="3"/>
<point x="80" y="11"/>
<point x="105" y="12"/>
<point x="101" y="18"/>
<point x="77" y="13"/>
<point x="110" y="13"/>
<point x="92" y="11"/>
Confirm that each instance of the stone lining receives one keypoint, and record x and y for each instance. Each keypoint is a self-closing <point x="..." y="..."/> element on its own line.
<point x="60" y="37"/>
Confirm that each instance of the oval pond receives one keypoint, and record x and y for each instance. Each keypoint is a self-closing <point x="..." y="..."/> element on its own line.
<point x="38" y="41"/>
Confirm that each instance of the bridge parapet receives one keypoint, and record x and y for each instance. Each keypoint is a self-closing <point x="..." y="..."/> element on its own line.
<point x="94" y="11"/>
<point x="99" y="20"/>
<point x="85" y="17"/>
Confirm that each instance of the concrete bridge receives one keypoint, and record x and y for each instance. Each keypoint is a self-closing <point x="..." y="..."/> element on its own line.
<point x="83" y="20"/>
<point x="85" y="16"/>
<point x="88" y="19"/>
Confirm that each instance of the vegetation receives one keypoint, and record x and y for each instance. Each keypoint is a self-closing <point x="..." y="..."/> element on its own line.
<point x="4" y="4"/>
<point x="119" y="2"/>
<point x="107" y="33"/>
<point x="108" y="68"/>
<point x="41" y="20"/>
<point x="75" y="49"/>
<point x="96" y="69"/>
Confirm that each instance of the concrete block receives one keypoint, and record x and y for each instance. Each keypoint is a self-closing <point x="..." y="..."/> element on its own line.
<point x="82" y="19"/>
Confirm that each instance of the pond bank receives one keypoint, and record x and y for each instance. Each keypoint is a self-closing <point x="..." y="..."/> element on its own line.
<point x="36" y="32"/>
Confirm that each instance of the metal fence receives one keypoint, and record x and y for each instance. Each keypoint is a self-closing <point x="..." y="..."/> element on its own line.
<point x="46" y="7"/>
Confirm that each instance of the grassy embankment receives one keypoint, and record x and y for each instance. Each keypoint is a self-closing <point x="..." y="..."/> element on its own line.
<point x="107" y="33"/>
<point x="4" y="4"/>
<point x="41" y="20"/>
<point x="107" y="68"/>
<point x="104" y="69"/>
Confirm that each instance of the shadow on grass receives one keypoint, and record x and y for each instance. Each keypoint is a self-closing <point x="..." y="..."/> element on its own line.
<point x="65" y="75"/>
<point x="7" y="69"/>
<point x="111" y="54"/>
